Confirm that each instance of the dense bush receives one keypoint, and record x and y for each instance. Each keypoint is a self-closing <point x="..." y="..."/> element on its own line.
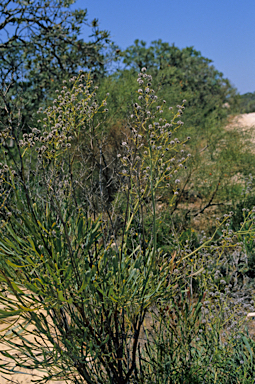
<point x="218" y="155"/>
<point x="247" y="102"/>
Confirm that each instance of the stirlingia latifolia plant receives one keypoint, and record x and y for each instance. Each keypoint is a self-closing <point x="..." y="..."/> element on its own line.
<point x="86" y="293"/>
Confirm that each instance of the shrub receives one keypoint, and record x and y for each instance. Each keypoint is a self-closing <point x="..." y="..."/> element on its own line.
<point x="88" y="294"/>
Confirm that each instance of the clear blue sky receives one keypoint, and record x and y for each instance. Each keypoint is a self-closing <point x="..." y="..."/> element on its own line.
<point x="223" y="30"/>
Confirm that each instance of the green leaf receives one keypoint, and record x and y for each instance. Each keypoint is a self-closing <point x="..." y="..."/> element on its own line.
<point x="4" y="314"/>
<point x="14" y="265"/>
<point x="60" y="296"/>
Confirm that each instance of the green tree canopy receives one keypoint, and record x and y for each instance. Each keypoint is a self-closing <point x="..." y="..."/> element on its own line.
<point x="41" y="45"/>
<point x="186" y="71"/>
<point x="247" y="102"/>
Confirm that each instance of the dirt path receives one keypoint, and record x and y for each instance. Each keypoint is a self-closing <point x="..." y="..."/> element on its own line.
<point x="22" y="376"/>
<point x="245" y="122"/>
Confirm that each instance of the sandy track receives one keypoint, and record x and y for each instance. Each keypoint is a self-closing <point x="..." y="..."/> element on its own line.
<point x="245" y="120"/>
<point x="22" y="376"/>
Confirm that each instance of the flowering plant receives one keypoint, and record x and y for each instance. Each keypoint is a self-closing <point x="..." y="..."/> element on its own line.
<point x="88" y="295"/>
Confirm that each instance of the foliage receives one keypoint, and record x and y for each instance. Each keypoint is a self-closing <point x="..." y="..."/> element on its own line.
<point x="217" y="154"/>
<point x="247" y="102"/>
<point x="41" y="46"/>
<point x="49" y="48"/>
<point x="88" y="294"/>
<point x="187" y="72"/>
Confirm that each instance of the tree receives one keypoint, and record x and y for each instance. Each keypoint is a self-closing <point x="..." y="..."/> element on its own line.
<point x="40" y="46"/>
<point x="247" y="102"/>
<point x="217" y="154"/>
<point x="185" y="70"/>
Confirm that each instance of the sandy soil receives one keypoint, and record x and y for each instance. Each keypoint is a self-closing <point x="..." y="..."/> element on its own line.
<point x="22" y="376"/>
<point x="245" y="122"/>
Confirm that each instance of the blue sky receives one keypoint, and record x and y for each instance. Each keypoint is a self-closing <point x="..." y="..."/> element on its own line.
<point x="223" y="30"/>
